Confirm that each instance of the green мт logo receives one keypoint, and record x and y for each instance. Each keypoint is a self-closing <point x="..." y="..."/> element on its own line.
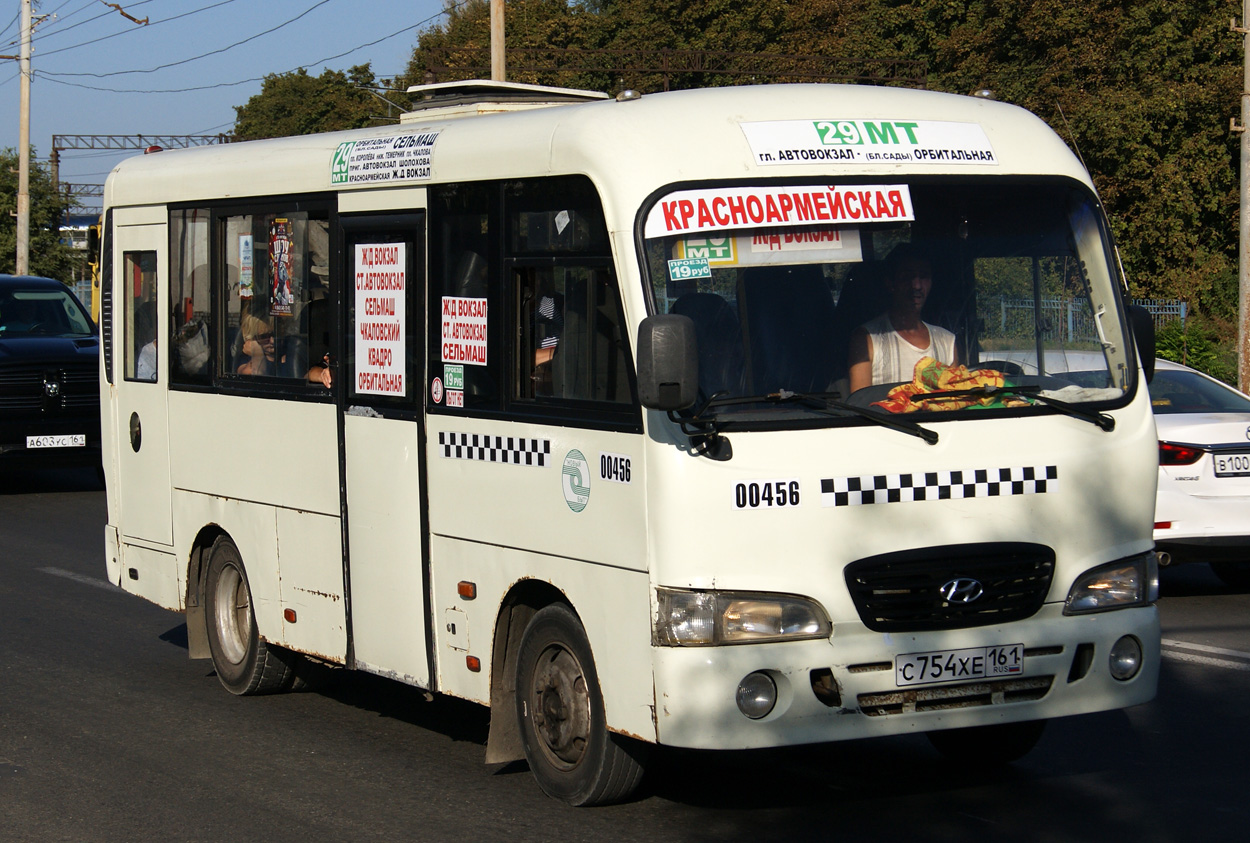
<point x="861" y="132"/>
<point x="338" y="168"/>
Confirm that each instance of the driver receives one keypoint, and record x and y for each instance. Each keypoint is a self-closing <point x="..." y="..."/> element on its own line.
<point x="887" y="348"/>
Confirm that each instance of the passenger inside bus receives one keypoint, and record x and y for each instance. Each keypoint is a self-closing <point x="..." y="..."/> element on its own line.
<point x="886" y="349"/>
<point x="258" y="353"/>
<point x="548" y="327"/>
<point x="145" y="339"/>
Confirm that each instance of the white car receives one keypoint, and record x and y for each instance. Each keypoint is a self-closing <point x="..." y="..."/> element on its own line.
<point x="1203" y="508"/>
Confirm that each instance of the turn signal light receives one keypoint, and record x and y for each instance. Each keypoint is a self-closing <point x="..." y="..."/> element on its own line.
<point x="1170" y="454"/>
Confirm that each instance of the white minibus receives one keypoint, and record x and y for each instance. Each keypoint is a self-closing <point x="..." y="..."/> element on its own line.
<point x="688" y="419"/>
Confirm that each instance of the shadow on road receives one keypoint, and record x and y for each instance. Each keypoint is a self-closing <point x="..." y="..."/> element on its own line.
<point x="26" y="482"/>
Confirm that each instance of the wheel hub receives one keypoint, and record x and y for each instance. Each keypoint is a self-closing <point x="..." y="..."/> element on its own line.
<point x="561" y="707"/>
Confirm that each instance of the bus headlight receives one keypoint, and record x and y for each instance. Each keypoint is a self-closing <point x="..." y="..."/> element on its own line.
<point x="1128" y="582"/>
<point x="702" y="618"/>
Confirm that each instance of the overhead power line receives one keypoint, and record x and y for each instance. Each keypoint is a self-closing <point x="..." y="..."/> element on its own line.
<point x="159" y="68"/>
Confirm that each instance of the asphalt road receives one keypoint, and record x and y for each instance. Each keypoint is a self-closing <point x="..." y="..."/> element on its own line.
<point x="108" y="732"/>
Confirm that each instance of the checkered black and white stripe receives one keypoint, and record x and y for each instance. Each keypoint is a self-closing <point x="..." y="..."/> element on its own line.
<point x="938" y="485"/>
<point x="510" y="450"/>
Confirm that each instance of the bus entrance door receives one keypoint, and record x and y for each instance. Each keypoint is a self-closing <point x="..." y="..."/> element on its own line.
<point x="382" y="437"/>
<point x="142" y="444"/>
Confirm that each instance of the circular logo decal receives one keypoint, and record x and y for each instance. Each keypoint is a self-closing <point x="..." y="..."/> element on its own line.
<point x="575" y="476"/>
<point x="436" y="390"/>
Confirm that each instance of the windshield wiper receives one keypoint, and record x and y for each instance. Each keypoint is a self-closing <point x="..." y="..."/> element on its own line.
<point x="1031" y="393"/>
<point x="823" y="402"/>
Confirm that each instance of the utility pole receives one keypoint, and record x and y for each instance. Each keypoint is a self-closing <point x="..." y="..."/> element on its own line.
<point x="497" y="70"/>
<point x="1243" y="259"/>
<point x="23" y="149"/>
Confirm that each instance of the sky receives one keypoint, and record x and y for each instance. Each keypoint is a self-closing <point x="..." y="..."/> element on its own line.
<point x="97" y="72"/>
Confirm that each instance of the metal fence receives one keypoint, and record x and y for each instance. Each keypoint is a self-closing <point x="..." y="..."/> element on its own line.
<point x="1165" y="310"/>
<point x="1067" y="319"/>
<point x="82" y="289"/>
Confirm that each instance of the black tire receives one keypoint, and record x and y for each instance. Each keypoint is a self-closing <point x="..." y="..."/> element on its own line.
<point x="988" y="746"/>
<point x="1233" y="574"/>
<point x="246" y="664"/>
<point x="560" y="711"/>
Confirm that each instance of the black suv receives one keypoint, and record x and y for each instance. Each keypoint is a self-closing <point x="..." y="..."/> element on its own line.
<point x="49" y="376"/>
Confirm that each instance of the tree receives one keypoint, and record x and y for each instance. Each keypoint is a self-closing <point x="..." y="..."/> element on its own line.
<point x="298" y="104"/>
<point x="1141" y="91"/>
<point x="48" y="255"/>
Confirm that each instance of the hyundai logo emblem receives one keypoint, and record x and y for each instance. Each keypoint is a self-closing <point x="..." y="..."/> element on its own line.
<point x="962" y="590"/>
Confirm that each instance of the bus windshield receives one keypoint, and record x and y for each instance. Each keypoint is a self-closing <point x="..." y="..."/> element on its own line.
<point x="926" y="297"/>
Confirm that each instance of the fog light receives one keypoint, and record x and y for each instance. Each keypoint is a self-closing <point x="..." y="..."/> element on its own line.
<point x="1125" y="659"/>
<point x="757" y="694"/>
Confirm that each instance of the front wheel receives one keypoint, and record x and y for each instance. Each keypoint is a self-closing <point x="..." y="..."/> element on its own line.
<point x="991" y="746"/>
<point x="245" y="663"/>
<point x="560" y="711"/>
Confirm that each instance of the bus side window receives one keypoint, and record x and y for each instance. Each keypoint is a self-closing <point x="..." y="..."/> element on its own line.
<point x="190" y="297"/>
<point x="461" y="259"/>
<point x="570" y="342"/>
<point x="140" y="279"/>
<point x="276" y="275"/>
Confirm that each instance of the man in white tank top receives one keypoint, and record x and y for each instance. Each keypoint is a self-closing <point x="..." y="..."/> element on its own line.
<point x="887" y="348"/>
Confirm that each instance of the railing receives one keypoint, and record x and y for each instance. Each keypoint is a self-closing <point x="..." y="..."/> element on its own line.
<point x="1065" y="319"/>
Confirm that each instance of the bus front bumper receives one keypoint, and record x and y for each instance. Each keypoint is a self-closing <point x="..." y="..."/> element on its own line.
<point x="847" y="686"/>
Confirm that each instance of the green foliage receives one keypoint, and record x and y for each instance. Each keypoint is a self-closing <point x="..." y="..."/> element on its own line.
<point x="1143" y="91"/>
<point x="48" y="255"/>
<point x="299" y="104"/>
<point x="1200" y="343"/>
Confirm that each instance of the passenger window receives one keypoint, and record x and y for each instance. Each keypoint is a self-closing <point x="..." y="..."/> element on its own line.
<point x="462" y="258"/>
<point x="139" y="278"/>
<point x="529" y="317"/>
<point x="190" y="325"/>
<point x="275" y="287"/>
<point x="570" y="343"/>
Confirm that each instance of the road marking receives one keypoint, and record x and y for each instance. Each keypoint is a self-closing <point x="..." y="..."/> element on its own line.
<point x="1177" y="654"/>
<point x="70" y="575"/>
<point x="1192" y="659"/>
<point x="1204" y="648"/>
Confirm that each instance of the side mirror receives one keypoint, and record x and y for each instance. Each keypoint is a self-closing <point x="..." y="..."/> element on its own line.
<point x="668" y="362"/>
<point x="1144" y="332"/>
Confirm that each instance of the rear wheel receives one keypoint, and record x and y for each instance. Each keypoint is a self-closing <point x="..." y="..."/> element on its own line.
<point x="1233" y="574"/>
<point x="245" y="662"/>
<point x="991" y="746"/>
<point x="560" y="711"/>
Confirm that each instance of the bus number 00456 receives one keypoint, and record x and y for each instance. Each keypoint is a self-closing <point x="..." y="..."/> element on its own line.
<point x="764" y="494"/>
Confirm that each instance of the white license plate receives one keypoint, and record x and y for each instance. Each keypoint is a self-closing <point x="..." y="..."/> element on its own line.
<point x="1232" y="465"/>
<point x="64" y="440"/>
<point x="958" y="665"/>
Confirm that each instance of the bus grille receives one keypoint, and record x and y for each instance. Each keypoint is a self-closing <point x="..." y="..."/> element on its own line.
<point x="908" y="591"/>
<point x="967" y="695"/>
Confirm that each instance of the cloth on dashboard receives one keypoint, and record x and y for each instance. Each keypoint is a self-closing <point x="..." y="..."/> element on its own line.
<point x="930" y="376"/>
